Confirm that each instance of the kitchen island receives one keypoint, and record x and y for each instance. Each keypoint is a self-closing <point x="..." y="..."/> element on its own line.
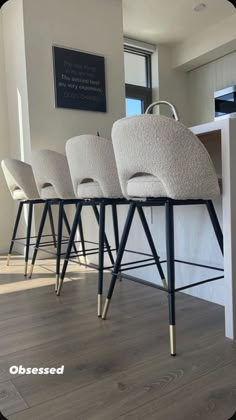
<point x="219" y="138"/>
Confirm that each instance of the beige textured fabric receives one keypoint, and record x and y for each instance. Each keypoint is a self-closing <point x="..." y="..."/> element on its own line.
<point x="52" y="174"/>
<point x="20" y="179"/>
<point x="91" y="161"/>
<point x="19" y="195"/>
<point x="167" y="150"/>
<point x="48" y="193"/>
<point x="89" y="189"/>
<point x="145" y="186"/>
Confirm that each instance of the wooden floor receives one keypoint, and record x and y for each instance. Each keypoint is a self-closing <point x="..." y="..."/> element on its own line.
<point x="114" y="369"/>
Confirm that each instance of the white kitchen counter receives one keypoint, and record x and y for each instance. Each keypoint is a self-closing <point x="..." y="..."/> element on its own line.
<point x="226" y="131"/>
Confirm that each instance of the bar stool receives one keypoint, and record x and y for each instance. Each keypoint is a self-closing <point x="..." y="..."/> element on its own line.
<point x="161" y="162"/>
<point x="21" y="183"/>
<point x="54" y="184"/>
<point x="94" y="177"/>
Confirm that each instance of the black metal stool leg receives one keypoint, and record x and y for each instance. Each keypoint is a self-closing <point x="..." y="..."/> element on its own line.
<point x="18" y="216"/>
<point x="116" y="229"/>
<point x="69" y="247"/>
<point x="59" y="239"/>
<point x="51" y="221"/>
<point x="171" y="273"/>
<point x="215" y="224"/>
<point x="105" y="237"/>
<point x="101" y="256"/>
<point x="152" y="246"/>
<point x="115" y="226"/>
<point x="67" y="225"/>
<point x="121" y="250"/>
<point x="28" y="236"/>
<point x="38" y="240"/>
<point x="81" y="236"/>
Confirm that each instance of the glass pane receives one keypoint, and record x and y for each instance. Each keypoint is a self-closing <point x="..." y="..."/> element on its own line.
<point x="133" y="107"/>
<point x="135" y="69"/>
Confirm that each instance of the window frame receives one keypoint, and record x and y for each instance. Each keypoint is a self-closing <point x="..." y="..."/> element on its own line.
<point x="143" y="93"/>
<point x="139" y="92"/>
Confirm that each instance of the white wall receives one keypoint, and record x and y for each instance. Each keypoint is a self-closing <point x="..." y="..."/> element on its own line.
<point x="84" y="25"/>
<point x="169" y="84"/>
<point x="6" y="201"/>
<point x="16" y="79"/>
<point x="203" y="81"/>
<point x="17" y="93"/>
<point x="172" y="84"/>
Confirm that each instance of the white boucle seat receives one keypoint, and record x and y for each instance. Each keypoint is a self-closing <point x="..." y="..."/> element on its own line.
<point x="93" y="167"/>
<point x="52" y="175"/>
<point x="145" y="185"/>
<point x="18" y="195"/>
<point x="178" y="163"/>
<point x="20" y="179"/>
<point x="94" y="175"/>
<point x="21" y="183"/>
<point x="89" y="189"/>
<point x="54" y="184"/>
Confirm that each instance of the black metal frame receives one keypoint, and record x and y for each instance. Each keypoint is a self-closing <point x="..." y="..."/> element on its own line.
<point x="26" y="240"/>
<point x="97" y="247"/>
<point x="102" y="245"/>
<point x="171" y="288"/>
<point x="58" y="239"/>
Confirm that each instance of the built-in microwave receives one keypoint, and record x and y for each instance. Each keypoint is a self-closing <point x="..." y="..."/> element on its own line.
<point x="225" y="102"/>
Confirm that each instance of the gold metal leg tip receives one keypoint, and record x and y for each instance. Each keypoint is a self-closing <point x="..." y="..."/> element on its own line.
<point x="8" y="259"/>
<point x="57" y="282"/>
<point x="105" y="310"/>
<point x="172" y="340"/>
<point x="31" y="270"/>
<point x="58" y="292"/>
<point x="99" y="306"/>
<point x="165" y="284"/>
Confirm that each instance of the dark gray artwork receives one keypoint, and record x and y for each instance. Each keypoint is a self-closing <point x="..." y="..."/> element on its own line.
<point x="79" y="79"/>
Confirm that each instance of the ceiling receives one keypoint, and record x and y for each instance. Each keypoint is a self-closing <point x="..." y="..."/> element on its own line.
<point x="171" y="21"/>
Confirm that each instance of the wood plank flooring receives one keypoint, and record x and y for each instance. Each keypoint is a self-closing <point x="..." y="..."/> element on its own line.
<point x="114" y="369"/>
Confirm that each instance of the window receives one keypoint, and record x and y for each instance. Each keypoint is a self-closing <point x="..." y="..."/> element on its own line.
<point x="138" y="85"/>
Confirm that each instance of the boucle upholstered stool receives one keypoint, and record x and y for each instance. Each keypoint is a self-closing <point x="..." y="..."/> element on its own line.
<point x="154" y="157"/>
<point x="94" y="177"/>
<point x="21" y="183"/>
<point x="54" y="184"/>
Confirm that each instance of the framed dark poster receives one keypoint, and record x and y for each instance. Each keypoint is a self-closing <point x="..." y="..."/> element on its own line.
<point x="79" y="79"/>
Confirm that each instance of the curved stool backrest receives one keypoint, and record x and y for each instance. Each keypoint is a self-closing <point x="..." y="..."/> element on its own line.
<point x="91" y="159"/>
<point x="166" y="149"/>
<point x="20" y="179"/>
<point x="52" y="174"/>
